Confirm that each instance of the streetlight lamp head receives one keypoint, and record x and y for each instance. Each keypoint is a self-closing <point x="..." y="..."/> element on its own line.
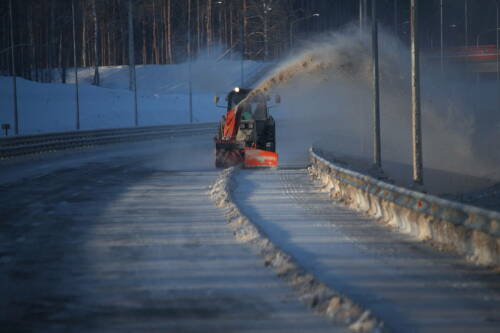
<point x="316" y="14"/>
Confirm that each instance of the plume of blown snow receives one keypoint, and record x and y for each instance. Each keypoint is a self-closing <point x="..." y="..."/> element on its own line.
<point x="327" y="101"/>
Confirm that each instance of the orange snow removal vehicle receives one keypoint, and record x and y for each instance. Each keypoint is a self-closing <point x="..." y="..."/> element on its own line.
<point x="246" y="134"/>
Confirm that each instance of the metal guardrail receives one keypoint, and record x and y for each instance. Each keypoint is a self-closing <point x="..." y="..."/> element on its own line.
<point x="38" y="143"/>
<point x="470" y="231"/>
<point x="459" y="214"/>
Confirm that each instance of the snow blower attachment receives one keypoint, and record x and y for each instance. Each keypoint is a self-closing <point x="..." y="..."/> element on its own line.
<point x="246" y="134"/>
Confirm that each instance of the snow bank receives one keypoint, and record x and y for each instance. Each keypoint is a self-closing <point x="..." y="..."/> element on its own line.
<point x="321" y="298"/>
<point x="208" y="76"/>
<point x="162" y="97"/>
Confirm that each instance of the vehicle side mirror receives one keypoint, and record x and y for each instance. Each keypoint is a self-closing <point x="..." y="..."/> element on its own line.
<point x="277" y="99"/>
<point x="216" y="99"/>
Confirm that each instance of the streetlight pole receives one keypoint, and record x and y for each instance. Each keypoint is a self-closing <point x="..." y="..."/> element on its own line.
<point x="296" y="21"/>
<point x="190" y="83"/>
<point x="376" y="89"/>
<point x="415" y="97"/>
<point x="75" y="65"/>
<point x="14" y="80"/>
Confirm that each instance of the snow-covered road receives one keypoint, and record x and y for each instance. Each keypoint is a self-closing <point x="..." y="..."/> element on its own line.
<point x="125" y="238"/>
<point x="410" y="286"/>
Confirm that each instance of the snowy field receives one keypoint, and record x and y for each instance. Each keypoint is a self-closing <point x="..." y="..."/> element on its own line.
<point x="162" y="97"/>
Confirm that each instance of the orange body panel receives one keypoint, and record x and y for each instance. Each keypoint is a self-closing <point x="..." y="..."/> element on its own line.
<point x="260" y="158"/>
<point x="230" y="128"/>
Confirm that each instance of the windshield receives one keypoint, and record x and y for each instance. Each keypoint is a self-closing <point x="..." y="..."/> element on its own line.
<point x="253" y="108"/>
<point x="236" y="99"/>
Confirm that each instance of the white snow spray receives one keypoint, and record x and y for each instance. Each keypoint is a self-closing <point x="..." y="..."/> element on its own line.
<point x="327" y="98"/>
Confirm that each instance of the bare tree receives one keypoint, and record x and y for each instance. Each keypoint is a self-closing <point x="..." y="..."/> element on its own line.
<point x="96" y="80"/>
<point x="209" y="26"/>
<point x="131" y="57"/>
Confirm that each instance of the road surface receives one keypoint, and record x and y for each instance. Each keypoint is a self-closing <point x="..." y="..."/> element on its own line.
<point x="125" y="238"/>
<point x="410" y="286"/>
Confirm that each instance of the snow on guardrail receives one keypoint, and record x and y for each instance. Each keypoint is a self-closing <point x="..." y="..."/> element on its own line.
<point x="39" y="143"/>
<point x="471" y="231"/>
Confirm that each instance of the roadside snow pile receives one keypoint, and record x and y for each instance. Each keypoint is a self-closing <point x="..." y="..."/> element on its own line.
<point x="162" y="97"/>
<point x="51" y="107"/>
<point x="318" y="296"/>
<point x="208" y="76"/>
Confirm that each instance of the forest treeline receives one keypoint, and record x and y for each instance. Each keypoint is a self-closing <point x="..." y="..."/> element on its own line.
<point x="43" y="35"/>
<point x="42" y="32"/>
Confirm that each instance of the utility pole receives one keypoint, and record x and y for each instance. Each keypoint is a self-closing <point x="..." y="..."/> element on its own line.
<point x="376" y="89"/>
<point x="75" y="65"/>
<point x="14" y="80"/>
<point x="131" y="60"/>
<point x="415" y="97"/>
<point x="190" y="83"/>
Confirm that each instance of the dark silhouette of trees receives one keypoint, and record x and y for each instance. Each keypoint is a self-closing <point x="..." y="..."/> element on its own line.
<point x="43" y="31"/>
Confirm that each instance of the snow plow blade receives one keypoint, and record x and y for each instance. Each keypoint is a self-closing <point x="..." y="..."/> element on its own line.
<point x="225" y="158"/>
<point x="257" y="158"/>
